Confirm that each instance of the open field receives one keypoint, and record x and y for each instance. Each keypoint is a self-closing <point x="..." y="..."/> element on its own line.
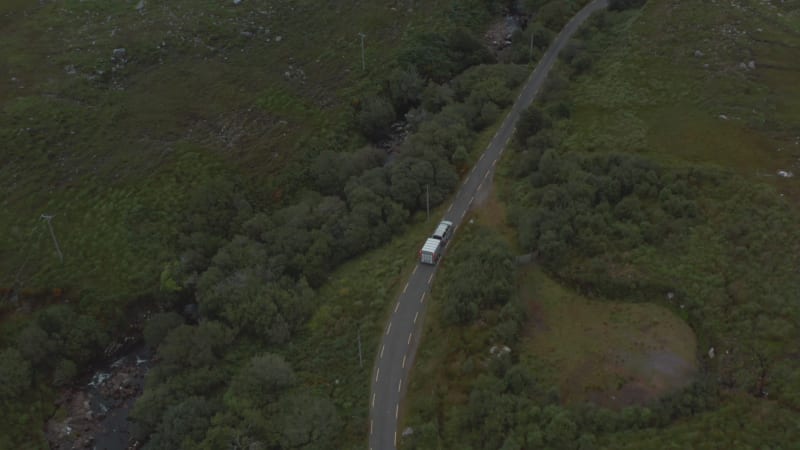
<point x="614" y="354"/>
<point x="698" y="82"/>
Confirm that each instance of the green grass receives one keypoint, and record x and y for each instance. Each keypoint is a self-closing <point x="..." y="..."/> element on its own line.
<point x="608" y="352"/>
<point x="650" y="93"/>
<point x="114" y="155"/>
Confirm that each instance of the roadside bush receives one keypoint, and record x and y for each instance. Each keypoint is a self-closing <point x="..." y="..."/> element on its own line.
<point x="479" y="275"/>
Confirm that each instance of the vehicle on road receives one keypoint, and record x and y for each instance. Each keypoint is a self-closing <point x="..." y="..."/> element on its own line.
<point x="443" y="232"/>
<point x="431" y="251"/>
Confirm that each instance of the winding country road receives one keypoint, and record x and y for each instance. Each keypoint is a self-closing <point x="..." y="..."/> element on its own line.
<point x="401" y="335"/>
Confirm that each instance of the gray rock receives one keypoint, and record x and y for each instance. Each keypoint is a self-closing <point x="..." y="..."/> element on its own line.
<point x="743" y="66"/>
<point x="751" y="65"/>
<point x="119" y="55"/>
<point x="140" y="6"/>
<point x="408" y="431"/>
<point x="236" y="2"/>
<point x="698" y="54"/>
<point x="711" y="353"/>
<point x="278" y="38"/>
<point x="70" y="69"/>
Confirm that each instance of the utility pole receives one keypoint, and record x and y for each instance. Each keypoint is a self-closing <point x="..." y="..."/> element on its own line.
<point x="363" y="62"/>
<point x="360" y="359"/>
<point x="47" y="218"/>
<point x="531" y="52"/>
<point x="428" y="201"/>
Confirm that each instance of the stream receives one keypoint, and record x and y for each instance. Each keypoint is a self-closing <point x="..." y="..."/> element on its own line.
<point x="93" y="414"/>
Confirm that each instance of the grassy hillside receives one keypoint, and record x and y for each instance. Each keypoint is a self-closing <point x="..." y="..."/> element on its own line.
<point x="114" y="144"/>
<point x="659" y="166"/>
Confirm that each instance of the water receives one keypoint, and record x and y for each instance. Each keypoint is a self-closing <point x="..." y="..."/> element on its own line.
<point x="97" y="413"/>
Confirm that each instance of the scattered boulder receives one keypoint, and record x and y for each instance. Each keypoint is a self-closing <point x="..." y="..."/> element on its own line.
<point x="140" y="6"/>
<point x="785" y="174"/>
<point x="119" y="55"/>
<point x="698" y="54"/>
<point x="751" y="65"/>
<point x="711" y="353"/>
<point x="278" y="38"/>
<point x="408" y="431"/>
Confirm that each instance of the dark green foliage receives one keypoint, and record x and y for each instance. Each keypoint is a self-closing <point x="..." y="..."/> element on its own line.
<point x="404" y="88"/>
<point x="74" y="336"/>
<point x="531" y="122"/>
<point x="158" y="326"/>
<point x="262" y="380"/>
<point x="478" y="276"/>
<point x="376" y="117"/>
<point x="64" y="372"/>
<point x="190" y="347"/>
<point x="438" y="57"/>
<point x="619" y="5"/>
<point x="35" y="344"/>
<point x="183" y="426"/>
<point x="15" y="375"/>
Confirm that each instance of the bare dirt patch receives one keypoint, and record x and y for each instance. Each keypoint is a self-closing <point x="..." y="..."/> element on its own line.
<point x="610" y="353"/>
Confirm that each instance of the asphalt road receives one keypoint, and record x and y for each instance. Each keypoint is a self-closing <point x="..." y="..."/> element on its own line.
<point x="401" y="335"/>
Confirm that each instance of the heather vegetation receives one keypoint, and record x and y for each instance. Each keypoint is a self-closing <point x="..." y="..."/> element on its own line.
<point x="654" y="171"/>
<point x="190" y="180"/>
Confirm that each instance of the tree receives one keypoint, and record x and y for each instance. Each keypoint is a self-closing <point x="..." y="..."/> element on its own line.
<point x="307" y="421"/>
<point x="34" y="344"/>
<point x="620" y="5"/>
<point x="15" y="374"/>
<point x="262" y="380"/>
<point x="158" y="326"/>
<point x="531" y="121"/>
<point x="183" y="425"/>
<point x="405" y="88"/>
<point x="376" y="117"/>
<point x="64" y="372"/>
<point x="187" y="347"/>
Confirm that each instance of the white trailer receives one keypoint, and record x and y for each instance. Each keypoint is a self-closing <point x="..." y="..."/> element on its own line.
<point x="431" y="251"/>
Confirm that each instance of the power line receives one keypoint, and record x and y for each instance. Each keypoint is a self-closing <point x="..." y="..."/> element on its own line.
<point x="47" y="218"/>
<point x="363" y="61"/>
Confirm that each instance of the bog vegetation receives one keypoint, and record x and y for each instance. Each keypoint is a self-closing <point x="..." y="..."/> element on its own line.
<point x="224" y="209"/>
<point x="617" y="203"/>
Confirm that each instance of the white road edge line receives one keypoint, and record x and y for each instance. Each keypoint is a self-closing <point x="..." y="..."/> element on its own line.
<point x="430" y="278"/>
<point x="399" y="385"/>
<point x="449" y="208"/>
<point x="373" y="399"/>
<point x="395" y="438"/>
<point x="389" y="328"/>
<point x="396" y="306"/>
<point x="409" y="337"/>
<point x="414" y="271"/>
<point x="382" y="349"/>
<point x="404" y="361"/>
<point x="481" y="185"/>
<point x="487" y="174"/>
<point x="422" y="299"/>
<point x="404" y="289"/>
<point x="415" y="316"/>
<point x="370" y="427"/>
<point x="377" y="372"/>
<point x="494" y="162"/>
<point x="396" y="414"/>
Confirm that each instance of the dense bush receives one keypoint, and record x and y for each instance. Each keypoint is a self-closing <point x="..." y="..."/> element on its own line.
<point x="479" y="275"/>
